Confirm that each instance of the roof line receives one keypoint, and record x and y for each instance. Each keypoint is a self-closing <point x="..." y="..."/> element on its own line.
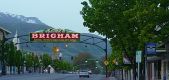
<point x="8" y="32"/>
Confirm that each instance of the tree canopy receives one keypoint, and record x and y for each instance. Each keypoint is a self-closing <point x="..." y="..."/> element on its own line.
<point x="129" y="24"/>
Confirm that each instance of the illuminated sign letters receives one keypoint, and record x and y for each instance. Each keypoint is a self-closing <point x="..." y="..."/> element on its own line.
<point x="54" y="37"/>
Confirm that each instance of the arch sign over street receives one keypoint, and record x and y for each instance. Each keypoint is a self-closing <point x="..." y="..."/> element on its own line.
<point x="54" y="37"/>
<point x="65" y="35"/>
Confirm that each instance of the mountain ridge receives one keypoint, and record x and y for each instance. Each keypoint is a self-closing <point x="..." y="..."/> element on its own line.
<point x="12" y="18"/>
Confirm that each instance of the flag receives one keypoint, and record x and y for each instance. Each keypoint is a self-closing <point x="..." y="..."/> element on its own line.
<point x="60" y="56"/>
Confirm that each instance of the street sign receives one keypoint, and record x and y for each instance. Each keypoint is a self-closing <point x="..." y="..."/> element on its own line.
<point x="138" y="61"/>
<point x="138" y="56"/>
<point x="106" y="62"/>
<point x="150" y="48"/>
<point x="54" y="37"/>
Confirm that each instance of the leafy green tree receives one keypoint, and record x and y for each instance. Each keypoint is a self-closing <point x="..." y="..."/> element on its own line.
<point x="150" y="19"/>
<point x="36" y="62"/>
<point x="62" y="65"/>
<point x="46" y="60"/>
<point x="18" y="60"/>
<point x="29" y="61"/>
<point x="106" y="17"/>
<point x="65" y="66"/>
<point x="56" y="64"/>
<point x="115" y="60"/>
<point x="129" y="24"/>
<point x="13" y="57"/>
<point x="10" y="55"/>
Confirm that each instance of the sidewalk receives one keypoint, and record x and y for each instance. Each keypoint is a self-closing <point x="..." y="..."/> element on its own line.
<point x="33" y="76"/>
<point x="25" y="74"/>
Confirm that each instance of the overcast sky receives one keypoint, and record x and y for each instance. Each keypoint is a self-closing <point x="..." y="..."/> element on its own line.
<point x="55" y="13"/>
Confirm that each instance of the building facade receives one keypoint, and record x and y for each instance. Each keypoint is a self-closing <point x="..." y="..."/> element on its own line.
<point x="3" y="32"/>
<point x="158" y="64"/>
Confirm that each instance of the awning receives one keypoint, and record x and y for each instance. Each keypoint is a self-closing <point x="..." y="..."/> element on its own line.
<point x="153" y="58"/>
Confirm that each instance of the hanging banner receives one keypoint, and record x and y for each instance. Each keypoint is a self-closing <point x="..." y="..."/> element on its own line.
<point x="54" y="37"/>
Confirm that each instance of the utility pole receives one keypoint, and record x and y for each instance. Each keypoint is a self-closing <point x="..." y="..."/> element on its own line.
<point x="106" y="56"/>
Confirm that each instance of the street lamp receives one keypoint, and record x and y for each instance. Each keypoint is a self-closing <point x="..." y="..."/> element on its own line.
<point x="55" y="49"/>
<point x="97" y="61"/>
<point x="66" y="45"/>
<point x="86" y="61"/>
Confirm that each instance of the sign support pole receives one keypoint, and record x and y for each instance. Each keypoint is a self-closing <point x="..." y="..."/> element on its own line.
<point x="145" y="67"/>
<point x="138" y="61"/>
<point x="138" y="72"/>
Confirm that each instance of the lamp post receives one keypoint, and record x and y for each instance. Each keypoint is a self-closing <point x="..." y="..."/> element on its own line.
<point x="106" y="56"/>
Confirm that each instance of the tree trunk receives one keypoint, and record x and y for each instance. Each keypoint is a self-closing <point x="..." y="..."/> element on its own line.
<point x="134" y="63"/>
<point x="18" y="69"/>
<point x="39" y="70"/>
<point x="10" y="67"/>
<point x="34" y="68"/>
<point x="134" y="71"/>
<point x="22" y="68"/>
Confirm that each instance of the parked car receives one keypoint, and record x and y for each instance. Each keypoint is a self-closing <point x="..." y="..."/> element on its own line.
<point x="84" y="73"/>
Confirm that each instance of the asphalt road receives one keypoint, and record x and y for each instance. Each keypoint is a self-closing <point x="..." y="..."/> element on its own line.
<point x="55" y="76"/>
